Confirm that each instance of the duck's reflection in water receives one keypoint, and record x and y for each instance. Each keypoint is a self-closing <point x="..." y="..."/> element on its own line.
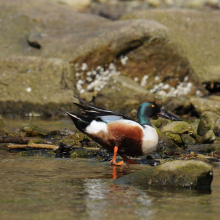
<point x="106" y="200"/>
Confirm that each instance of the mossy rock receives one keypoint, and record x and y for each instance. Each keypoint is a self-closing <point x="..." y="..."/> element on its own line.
<point x="160" y="122"/>
<point x="185" y="174"/>
<point x="175" y="138"/>
<point x="83" y="154"/>
<point x="35" y="131"/>
<point x="79" y="137"/>
<point x="36" y="141"/>
<point x="217" y="128"/>
<point x="179" y="128"/>
<point x="188" y="140"/>
<point x="165" y="144"/>
<point x="62" y="132"/>
<point x="207" y="122"/>
<point x="68" y="142"/>
<point x="208" y="137"/>
<point x="15" y="133"/>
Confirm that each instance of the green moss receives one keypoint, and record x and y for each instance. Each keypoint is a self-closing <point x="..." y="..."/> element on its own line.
<point x="34" y="131"/>
<point x="188" y="140"/>
<point x="174" y="137"/>
<point x="36" y="141"/>
<point x="82" y="154"/>
<point x="68" y="142"/>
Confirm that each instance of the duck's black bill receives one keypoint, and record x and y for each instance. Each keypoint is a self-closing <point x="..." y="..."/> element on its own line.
<point x="167" y="115"/>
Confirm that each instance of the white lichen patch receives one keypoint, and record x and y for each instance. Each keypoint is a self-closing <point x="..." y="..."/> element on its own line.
<point x="84" y="67"/>
<point x="157" y="78"/>
<point x="136" y="79"/>
<point x="96" y="79"/>
<point x="28" y="89"/>
<point x="164" y="90"/>
<point x="124" y="60"/>
<point x="144" y="80"/>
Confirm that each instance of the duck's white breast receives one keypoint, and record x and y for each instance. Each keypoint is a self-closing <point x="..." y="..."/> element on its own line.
<point x="150" y="139"/>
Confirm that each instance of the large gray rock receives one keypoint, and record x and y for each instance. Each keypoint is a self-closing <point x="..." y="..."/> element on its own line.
<point x="205" y="104"/>
<point x="99" y="49"/>
<point x="186" y="174"/>
<point x="184" y="25"/>
<point x="35" y="84"/>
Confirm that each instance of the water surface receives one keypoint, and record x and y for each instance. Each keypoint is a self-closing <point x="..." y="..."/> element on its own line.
<point x="44" y="187"/>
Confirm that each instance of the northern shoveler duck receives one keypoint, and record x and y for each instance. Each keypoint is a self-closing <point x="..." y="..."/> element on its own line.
<point x="119" y="133"/>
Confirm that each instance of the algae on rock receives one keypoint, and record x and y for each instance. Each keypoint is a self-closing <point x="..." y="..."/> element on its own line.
<point x="185" y="174"/>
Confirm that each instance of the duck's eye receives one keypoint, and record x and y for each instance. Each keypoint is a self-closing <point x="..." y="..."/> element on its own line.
<point x="152" y="106"/>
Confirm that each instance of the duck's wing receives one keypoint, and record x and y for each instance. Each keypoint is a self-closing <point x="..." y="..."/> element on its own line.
<point x="99" y="112"/>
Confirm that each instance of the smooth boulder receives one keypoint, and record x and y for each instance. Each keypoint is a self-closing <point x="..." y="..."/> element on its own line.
<point x="185" y="174"/>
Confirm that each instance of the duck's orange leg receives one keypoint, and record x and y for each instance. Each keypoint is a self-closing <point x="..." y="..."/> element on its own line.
<point x="129" y="161"/>
<point x="113" y="161"/>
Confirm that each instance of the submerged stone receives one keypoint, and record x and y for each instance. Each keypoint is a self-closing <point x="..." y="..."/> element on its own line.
<point x="35" y="131"/>
<point x="68" y="141"/>
<point x="36" y="141"/>
<point x="186" y="174"/>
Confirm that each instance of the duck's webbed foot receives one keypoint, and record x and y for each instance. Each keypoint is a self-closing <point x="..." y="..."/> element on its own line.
<point x="129" y="161"/>
<point x="113" y="161"/>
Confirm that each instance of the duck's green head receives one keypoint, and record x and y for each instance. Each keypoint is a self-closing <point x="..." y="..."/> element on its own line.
<point x="151" y="109"/>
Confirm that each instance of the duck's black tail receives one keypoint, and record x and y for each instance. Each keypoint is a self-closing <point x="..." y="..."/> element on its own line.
<point x="80" y="121"/>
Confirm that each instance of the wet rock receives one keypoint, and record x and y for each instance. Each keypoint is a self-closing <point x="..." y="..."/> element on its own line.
<point x="208" y="121"/>
<point x="205" y="148"/>
<point x="35" y="131"/>
<point x="63" y="151"/>
<point x="185" y="174"/>
<point x="188" y="140"/>
<point x="62" y="132"/>
<point x="204" y="104"/>
<point x="83" y="154"/>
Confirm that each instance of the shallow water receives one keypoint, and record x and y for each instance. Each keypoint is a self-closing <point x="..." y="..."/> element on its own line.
<point x="42" y="187"/>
